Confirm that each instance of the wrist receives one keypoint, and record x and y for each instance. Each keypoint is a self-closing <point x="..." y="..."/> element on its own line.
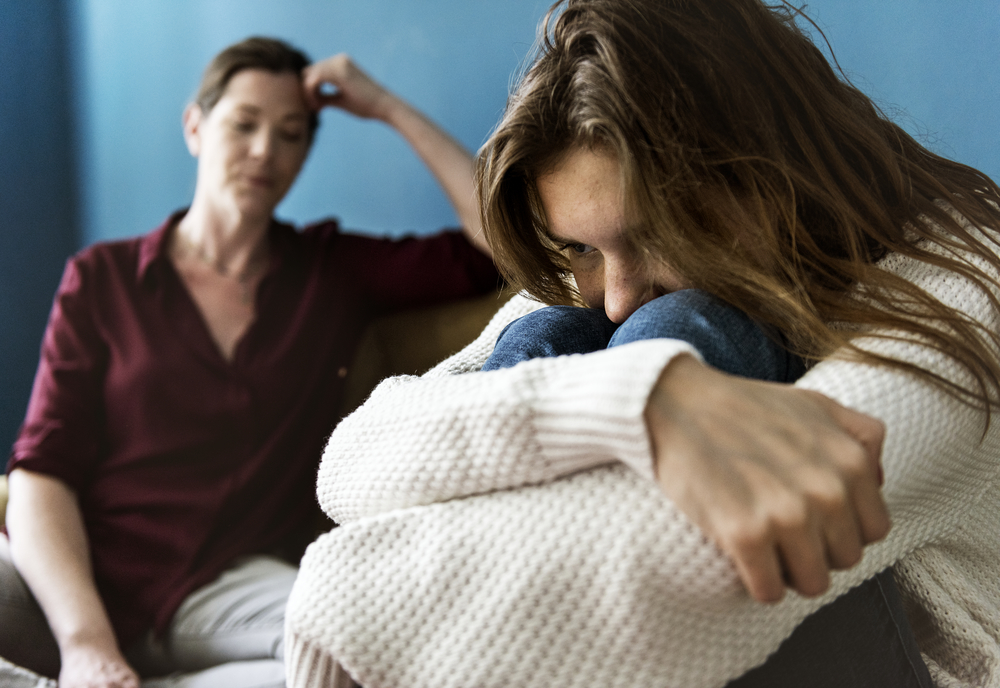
<point x="683" y="375"/>
<point x="682" y="378"/>
<point x="394" y="111"/>
<point x="88" y="640"/>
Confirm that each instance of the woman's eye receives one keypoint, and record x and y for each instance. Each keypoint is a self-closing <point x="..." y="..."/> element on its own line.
<point x="244" y="126"/>
<point x="577" y="249"/>
<point x="291" y="136"/>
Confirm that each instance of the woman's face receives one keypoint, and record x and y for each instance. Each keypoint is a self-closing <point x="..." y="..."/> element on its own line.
<point x="251" y="145"/>
<point x="585" y="208"/>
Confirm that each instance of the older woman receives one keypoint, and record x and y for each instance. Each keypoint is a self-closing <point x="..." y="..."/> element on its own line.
<point x="161" y="485"/>
<point x="697" y="174"/>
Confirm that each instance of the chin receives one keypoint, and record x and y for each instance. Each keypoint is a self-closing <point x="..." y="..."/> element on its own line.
<point x="255" y="207"/>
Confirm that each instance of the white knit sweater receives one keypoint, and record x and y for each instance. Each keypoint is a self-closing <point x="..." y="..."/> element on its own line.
<point x="503" y="529"/>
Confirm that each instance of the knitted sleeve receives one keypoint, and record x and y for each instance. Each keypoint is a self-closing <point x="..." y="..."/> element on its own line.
<point x="597" y="578"/>
<point x="456" y="435"/>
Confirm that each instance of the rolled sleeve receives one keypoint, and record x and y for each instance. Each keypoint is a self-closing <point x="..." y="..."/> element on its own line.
<point x="61" y="433"/>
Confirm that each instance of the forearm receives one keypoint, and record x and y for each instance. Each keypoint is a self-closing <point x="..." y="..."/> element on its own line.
<point x="458" y="435"/>
<point x="359" y="94"/>
<point x="447" y="159"/>
<point x="592" y="580"/>
<point x="49" y="547"/>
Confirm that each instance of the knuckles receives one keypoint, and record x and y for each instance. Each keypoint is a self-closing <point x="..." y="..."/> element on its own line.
<point x="846" y="556"/>
<point x="813" y="583"/>
<point x="876" y="527"/>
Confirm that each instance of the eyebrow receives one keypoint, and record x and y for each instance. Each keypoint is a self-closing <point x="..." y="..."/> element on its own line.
<point x="623" y="230"/>
<point x="547" y="233"/>
<point x="254" y="110"/>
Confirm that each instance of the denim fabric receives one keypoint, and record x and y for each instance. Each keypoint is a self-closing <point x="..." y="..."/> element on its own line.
<point x="862" y="639"/>
<point x="725" y="337"/>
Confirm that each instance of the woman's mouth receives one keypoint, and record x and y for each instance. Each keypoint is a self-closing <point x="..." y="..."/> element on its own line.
<point x="261" y="181"/>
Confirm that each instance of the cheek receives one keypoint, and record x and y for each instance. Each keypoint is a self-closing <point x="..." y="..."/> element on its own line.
<point x="667" y="280"/>
<point x="591" y="286"/>
<point x="216" y="158"/>
<point x="291" y="161"/>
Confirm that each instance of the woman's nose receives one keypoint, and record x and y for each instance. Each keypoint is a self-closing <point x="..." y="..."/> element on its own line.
<point x="262" y="143"/>
<point x="626" y="288"/>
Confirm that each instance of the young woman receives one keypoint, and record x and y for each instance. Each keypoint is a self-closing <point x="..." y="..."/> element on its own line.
<point x="657" y="149"/>
<point x="160" y="487"/>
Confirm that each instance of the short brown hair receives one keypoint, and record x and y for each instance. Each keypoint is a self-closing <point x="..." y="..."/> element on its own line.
<point x="256" y="52"/>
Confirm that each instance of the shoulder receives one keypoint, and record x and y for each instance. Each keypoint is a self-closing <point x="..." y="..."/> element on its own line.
<point x="356" y="245"/>
<point x="103" y="261"/>
<point x="326" y="231"/>
<point x="110" y="251"/>
<point x="325" y="237"/>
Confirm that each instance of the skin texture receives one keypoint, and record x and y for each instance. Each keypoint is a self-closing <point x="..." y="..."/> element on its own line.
<point x="250" y="148"/>
<point x="48" y="545"/>
<point x="785" y="481"/>
<point x="251" y="145"/>
<point x="585" y="211"/>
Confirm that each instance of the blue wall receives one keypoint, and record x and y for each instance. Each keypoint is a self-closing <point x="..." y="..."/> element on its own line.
<point x="133" y="65"/>
<point x="141" y="61"/>
<point x="932" y="65"/>
<point x="38" y="219"/>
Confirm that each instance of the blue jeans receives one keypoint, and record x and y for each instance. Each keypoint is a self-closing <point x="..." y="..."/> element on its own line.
<point x="862" y="639"/>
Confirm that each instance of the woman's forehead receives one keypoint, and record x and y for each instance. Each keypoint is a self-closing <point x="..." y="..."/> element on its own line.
<point x="265" y="91"/>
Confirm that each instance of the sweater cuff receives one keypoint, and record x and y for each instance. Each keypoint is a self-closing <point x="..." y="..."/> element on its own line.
<point x="589" y="410"/>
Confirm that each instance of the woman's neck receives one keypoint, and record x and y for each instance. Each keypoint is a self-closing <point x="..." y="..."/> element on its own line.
<point x="231" y="244"/>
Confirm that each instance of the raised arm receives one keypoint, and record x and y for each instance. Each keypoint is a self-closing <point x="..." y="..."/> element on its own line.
<point x="449" y="162"/>
<point x="49" y="547"/>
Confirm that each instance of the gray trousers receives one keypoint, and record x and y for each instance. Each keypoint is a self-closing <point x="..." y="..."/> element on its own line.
<point x="228" y="633"/>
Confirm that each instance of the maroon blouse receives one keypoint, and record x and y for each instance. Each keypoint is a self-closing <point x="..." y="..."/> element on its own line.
<point x="183" y="461"/>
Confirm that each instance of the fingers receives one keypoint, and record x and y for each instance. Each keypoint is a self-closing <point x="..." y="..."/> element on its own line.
<point x="844" y="542"/>
<point x="333" y="71"/>
<point x="788" y="546"/>
<point x="353" y="90"/>
<point x="862" y="472"/>
<point x="761" y="570"/>
<point x="784" y="480"/>
<point x="868" y="432"/>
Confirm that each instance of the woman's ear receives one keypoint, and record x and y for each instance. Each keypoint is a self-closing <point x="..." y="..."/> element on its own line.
<point x="192" y="128"/>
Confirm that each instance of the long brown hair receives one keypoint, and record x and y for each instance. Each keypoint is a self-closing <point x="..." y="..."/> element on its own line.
<point x="724" y="109"/>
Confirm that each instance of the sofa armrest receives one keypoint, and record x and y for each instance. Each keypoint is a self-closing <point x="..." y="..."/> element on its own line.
<point x="3" y="500"/>
<point x="412" y="342"/>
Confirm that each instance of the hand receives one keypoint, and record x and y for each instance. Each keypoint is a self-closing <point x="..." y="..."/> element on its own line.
<point x="785" y="481"/>
<point x="356" y="92"/>
<point x="91" y="667"/>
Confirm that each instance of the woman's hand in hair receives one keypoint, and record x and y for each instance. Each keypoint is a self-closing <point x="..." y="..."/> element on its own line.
<point x="786" y="481"/>
<point x="447" y="159"/>
<point x="338" y="82"/>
